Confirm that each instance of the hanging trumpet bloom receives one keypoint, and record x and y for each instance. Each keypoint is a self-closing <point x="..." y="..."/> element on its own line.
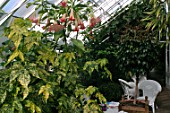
<point x="71" y="18"/>
<point x="82" y="26"/>
<point x="98" y="20"/>
<point x="55" y="27"/>
<point x="76" y="27"/>
<point x="34" y="20"/>
<point x="63" y="3"/>
<point x="63" y="19"/>
<point x="79" y="22"/>
<point x="94" y="21"/>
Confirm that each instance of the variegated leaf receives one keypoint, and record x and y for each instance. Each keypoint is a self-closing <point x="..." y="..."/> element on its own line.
<point x="24" y="79"/>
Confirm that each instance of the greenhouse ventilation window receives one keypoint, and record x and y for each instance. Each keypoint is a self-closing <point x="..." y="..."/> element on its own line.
<point x="17" y="8"/>
<point x="107" y="8"/>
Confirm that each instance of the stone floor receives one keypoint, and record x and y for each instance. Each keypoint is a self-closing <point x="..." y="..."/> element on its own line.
<point x="163" y="101"/>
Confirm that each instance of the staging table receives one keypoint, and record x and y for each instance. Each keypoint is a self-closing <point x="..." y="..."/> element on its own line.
<point x="112" y="107"/>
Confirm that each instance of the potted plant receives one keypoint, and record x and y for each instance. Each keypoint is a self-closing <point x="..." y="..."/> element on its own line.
<point x="137" y="49"/>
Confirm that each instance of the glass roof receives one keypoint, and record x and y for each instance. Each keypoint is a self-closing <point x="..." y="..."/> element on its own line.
<point x="17" y="8"/>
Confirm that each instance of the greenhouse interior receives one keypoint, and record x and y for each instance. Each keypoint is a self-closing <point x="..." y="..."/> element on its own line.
<point x="84" y="56"/>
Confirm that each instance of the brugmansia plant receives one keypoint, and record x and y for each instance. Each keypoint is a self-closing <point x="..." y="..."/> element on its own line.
<point x="39" y="79"/>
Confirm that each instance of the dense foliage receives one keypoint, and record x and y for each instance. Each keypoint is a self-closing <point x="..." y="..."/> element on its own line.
<point x="158" y="19"/>
<point x="39" y="79"/>
<point x="128" y="45"/>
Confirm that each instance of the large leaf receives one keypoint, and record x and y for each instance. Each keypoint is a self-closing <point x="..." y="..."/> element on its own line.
<point x="34" y="73"/>
<point x="14" y="74"/>
<point x="21" y="56"/>
<point x="3" y="96"/>
<point x="32" y="107"/>
<point x="24" y="79"/>
<point x="25" y="93"/>
<point x="46" y="90"/>
<point x="78" y="44"/>
<point x="12" y="57"/>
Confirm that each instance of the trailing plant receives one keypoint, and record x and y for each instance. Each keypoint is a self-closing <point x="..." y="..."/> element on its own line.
<point x="37" y="78"/>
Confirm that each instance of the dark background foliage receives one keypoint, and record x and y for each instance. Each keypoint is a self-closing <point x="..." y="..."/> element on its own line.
<point x="128" y="46"/>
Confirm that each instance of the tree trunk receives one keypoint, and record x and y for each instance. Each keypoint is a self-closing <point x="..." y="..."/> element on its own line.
<point x="136" y="89"/>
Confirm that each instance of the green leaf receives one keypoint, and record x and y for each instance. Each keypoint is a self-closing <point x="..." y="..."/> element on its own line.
<point x="69" y="56"/>
<point x="102" y="62"/>
<point x="14" y="74"/>
<point x="21" y="56"/>
<point x="25" y="93"/>
<point x="42" y="89"/>
<point x="101" y="98"/>
<point x="24" y="79"/>
<point x="108" y="73"/>
<point x="37" y="109"/>
<point x="34" y="73"/>
<point x="18" y="106"/>
<point x="58" y="35"/>
<point x="78" y="44"/>
<point x="18" y="41"/>
<point x="90" y="90"/>
<point x="3" y="96"/>
<point x="32" y="107"/>
<point x="46" y="90"/>
<point x="81" y="5"/>
<point x="12" y="57"/>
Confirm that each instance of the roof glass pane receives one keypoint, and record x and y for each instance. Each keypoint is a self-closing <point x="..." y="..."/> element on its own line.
<point x="102" y="8"/>
<point x="27" y="11"/>
<point x="12" y="5"/>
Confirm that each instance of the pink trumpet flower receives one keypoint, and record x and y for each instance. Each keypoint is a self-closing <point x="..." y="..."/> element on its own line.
<point x="55" y="27"/>
<point x="79" y="22"/>
<point x="92" y="22"/>
<point x="34" y="20"/>
<point x="63" y="3"/>
<point x="76" y="28"/>
<point x="63" y="19"/>
<point x="71" y="18"/>
<point x="98" y="20"/>
<point x="82" y="26"/>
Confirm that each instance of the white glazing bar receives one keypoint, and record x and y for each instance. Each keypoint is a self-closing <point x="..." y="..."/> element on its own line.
<point x="107" y="4"/>
<point x="2" y="2"/>
<point x="11" y="6"/>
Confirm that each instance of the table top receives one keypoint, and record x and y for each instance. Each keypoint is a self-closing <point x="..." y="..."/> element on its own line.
<point x="112" y="107"/>
<point x="112" y="110"/>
